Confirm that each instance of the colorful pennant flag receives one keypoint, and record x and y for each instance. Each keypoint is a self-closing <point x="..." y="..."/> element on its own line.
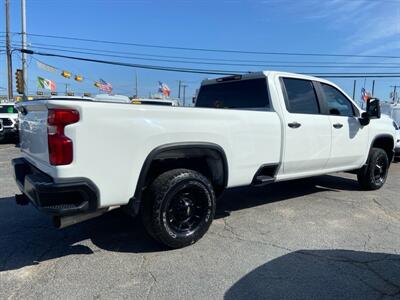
<point x="45" y="67"/>
<point x="46" y="84"/>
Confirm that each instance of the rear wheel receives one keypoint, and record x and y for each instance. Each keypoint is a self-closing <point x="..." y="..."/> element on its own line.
<point x="178" y="207"/>
<point x="373" y="175"/>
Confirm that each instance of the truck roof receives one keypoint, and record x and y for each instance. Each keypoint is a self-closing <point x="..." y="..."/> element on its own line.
<point x="260" y="74"/>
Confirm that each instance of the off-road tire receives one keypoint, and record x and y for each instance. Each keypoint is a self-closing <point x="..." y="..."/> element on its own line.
<point x="168" y="189"/>
<point x="373" y="175"/>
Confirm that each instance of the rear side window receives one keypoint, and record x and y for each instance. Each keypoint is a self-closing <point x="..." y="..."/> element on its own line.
<point x="300" y="96"/>
<point x="241" y="94"/>
<point x="336" y="102"/>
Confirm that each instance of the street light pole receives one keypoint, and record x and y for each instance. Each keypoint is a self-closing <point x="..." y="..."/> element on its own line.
<point x="179" y="89"/>
<point x="136" y="85"/>
<point x="23" y="35"/>
<point x="8" y="50"/>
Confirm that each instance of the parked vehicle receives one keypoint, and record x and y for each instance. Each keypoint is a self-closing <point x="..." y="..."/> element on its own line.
<point x="1" y="130"/>
<point x="9" y="118"/>
<point x="169" y="164"/>
<point x="397" y="145"/>
<point x="392" y="110"/>
<point x="165" y="102"/>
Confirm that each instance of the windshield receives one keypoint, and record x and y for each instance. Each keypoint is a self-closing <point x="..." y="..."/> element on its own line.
<point x="7" y="109"/>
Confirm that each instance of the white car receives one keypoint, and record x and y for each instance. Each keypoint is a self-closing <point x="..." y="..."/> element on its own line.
<point x="170" y="163"/>
<point x="9" y="118"/>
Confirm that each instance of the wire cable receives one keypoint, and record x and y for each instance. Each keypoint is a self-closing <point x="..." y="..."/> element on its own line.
<point x="205" y="71"/>
<point x="209" y="49"/>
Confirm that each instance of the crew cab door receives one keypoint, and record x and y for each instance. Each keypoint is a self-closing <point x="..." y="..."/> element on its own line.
<point x="349" y="138"/>
<point x="307" y="136"/>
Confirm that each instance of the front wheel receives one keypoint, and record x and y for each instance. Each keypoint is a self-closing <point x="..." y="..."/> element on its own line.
<point x="373" y="175"/>
<point x="178" y="207"/>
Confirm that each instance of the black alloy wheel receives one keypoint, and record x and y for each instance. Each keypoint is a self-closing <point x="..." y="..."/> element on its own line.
<point x="178" y="207"/>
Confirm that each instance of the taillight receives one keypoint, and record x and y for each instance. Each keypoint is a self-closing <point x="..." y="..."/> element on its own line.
<point x="60" y="146"/>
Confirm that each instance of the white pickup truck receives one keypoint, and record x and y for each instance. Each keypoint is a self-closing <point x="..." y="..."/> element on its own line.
<point x="9" y="118"/>
<point x="170" y="164"/>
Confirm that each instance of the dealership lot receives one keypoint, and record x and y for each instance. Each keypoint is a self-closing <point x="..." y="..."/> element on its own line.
<point x="312" y="238"/>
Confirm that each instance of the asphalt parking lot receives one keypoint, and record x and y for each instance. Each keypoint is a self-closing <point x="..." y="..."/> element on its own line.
<point x="308" y="239"/>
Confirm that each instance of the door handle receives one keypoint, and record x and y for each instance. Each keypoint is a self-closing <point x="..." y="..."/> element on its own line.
<point x="338" y="125"/>
<point x="294" y="125"/>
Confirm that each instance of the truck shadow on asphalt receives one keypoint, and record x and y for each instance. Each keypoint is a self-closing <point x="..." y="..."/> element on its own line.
<point x="247" y="197"/>
<point x="322" y="274"/>
<point x="28" y="237"/>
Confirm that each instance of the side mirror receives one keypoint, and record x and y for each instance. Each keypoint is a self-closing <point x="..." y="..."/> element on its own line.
<point x="373" y="108"/>
<point x="364" y="120"/>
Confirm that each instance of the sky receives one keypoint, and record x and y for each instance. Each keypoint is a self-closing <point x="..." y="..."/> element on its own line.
<point x="362" y="27"/>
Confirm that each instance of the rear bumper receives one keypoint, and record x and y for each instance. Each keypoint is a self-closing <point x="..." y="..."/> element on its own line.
<point x="75" y="196"/>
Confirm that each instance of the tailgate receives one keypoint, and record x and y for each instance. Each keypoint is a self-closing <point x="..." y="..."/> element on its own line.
<point x="33" y="130"/>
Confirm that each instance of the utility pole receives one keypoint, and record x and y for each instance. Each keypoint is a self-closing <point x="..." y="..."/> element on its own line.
<point x="184" y="94"/>
<point x="373" y="88"/>
<point x="136" y="85"/>
<point x="179" y="89"/>
<point x="354" y="89"/>
<point x="66" y="89"/>
<point x="8" y="50"/>
<point x="395" y="98"/>
<point x="23" y="35"/>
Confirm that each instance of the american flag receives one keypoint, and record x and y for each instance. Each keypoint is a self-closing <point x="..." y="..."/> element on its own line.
<point x="365" y="95"/>
<point x="164" y="89"/>
<point x="104" y="86"/>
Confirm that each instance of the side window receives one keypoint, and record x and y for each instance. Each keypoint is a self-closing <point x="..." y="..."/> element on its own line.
<point x="300" y="96"/>
<point x="251" y="94"/>
<point x="336" y="102"/>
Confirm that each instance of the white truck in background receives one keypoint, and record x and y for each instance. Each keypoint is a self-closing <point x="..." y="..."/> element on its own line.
<point x="169" y="164"/>
<point x="393" y="111"/>
<point x="9" y="119"/>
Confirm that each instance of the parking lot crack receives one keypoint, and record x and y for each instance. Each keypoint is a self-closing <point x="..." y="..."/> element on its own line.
<point x="384" y="210"/>
<point x="154" y="282"/>
<point x="231" y="230"/>
<point x="366" y="242"/>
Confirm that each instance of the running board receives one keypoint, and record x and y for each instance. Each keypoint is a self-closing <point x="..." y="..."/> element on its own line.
<point x="262" y="180"/>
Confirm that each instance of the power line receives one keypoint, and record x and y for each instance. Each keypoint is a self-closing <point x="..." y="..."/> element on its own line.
<point x="141" y="66"/>
<point x="210" y="50"/>
<point x="206" y="71"/>
<point x="273" y="64"/>
<point x="33" y="45"/>
<point x="222" y="64"/>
